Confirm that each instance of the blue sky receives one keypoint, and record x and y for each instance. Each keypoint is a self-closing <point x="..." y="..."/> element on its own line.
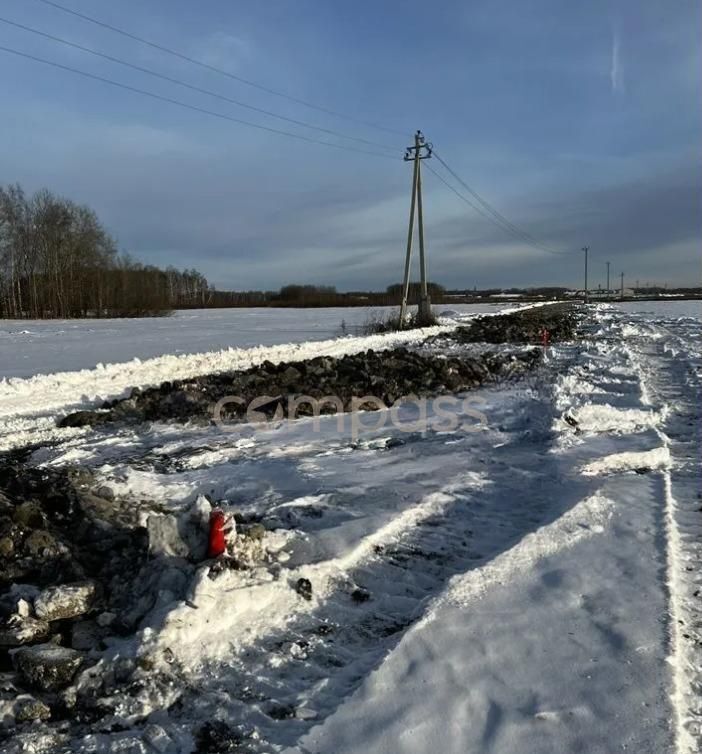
<point x="581" y="122"/>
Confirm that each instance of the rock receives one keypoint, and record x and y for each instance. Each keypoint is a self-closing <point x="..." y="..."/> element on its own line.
<point x="195" y="527"/>
<point x="394" y="442"/>
<point x="106" y="619"/>
<point x="85" y="635"/>
<point x="246" y="548"/>
<point x="37" y="740"/>
<point x="7" y="547"/>
<point x="29" y="515"/>
<point x="360" y="594"/>
<point x="254" y="531"/>
<point x="41" y="544"/>
<point x="105" y="492"/>
<point x="146" y="662"/>
<point x="27" y="708"/>
<point x="157" y="737"/>
<point x="164" y="536"/>
<point x="65" y="601"/>
<point x="124" y="669"/>
<point x="216" y="737"/>
<point x="290" y="376"/>
<point x="6" y="507"/>
<point x="282" y="712"/>
<point x="84" y="419"/>
<point x="47" y="666"/>
<point x="19" y="631"/>
<point x="304" y="588"/>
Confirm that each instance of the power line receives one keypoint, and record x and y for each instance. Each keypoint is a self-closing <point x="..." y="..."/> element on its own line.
<point x="188" y="106"/>
<point x="477" y="208"/>
<point x="498" y="216"/>
<point x="192" y="87"/>
<point x="459" y="195"/>
<point x="215" y="69"/>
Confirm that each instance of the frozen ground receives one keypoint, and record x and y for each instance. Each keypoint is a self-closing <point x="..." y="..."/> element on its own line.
<point x="528" y="588"/>
<point x="30" y="347"/>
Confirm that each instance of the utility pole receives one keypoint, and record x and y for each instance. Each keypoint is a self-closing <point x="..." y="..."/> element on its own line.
<point x="621" y="290"/>
<point x="608" y="278"/>
<point x="420" y="151"/>
<point x="587" y="294"/>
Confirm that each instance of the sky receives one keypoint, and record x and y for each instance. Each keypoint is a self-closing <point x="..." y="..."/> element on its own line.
<point x="580" y="122"/>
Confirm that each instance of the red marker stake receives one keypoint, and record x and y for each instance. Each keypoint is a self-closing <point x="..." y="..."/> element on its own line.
<point x="216" y="544"/>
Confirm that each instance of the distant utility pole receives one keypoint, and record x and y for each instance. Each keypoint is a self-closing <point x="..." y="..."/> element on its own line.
<point x="621" y="289"/>
<point x="587" y="294"/>
<point x="608" y="278"/>
<point x="420" y="151"/>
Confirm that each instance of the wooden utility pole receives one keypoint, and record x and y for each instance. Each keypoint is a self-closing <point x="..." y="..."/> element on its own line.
<point x="420" y="151"/>
<point x="621" y="289"/>
<point x="587" y="294"/>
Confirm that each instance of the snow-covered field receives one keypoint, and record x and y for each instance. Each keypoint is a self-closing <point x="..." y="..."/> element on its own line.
<point x="66" y="375"/>
<point x="30" y="347"/>
<point x="532" y="587"/>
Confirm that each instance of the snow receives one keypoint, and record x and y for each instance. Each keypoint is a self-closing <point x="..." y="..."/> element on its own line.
<point x="30" y="347"/>
<point x="28" y="406"/>
<point x="533" y="587"/>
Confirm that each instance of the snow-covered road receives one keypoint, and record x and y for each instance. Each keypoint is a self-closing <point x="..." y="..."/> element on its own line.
<point x="586" y="635"/>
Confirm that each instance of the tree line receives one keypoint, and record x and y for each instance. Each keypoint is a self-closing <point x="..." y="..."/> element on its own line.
<point x="307" y="295"/>
<point x="58" y="260"/>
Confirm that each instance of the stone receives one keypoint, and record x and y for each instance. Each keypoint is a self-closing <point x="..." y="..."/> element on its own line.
<point x="246" y="551"/>
<point x="105" y="492"/>
<point x="47" y="666"/>
<point x="304" y="588"/>
<point x="106" y="619"/>
<point x="290" y="376"/>
<point x="84" y="419"/>
<point x="7" y="547"/>
<point x="41" y="544"/>
<point x="360" y="594"/>
<point x="6" y="507"/>
<point x="217" y="737"/>
<point x="194" y="526"/>
<point x="37" y="740"/>
<point x="19" y="631"/>
<point x="85" y="635"/>
<point x="27" y="708"/>
<point x="255" y="531"/>
<point x="65" y="601"/>
<point x="29" y="515"/>
<point x="157" y="737"/>
<point x="394" y="442"/>
<point x="165" y="537"/>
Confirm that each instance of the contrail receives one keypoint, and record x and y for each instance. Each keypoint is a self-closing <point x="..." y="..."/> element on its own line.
<point x="616" y="75"/>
